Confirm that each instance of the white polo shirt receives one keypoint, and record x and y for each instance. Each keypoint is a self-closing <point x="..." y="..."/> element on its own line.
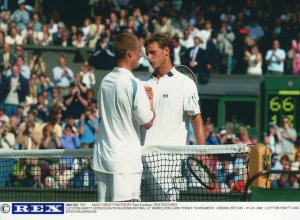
<point x="175" y="99"/>
<point x="124" y="106"/>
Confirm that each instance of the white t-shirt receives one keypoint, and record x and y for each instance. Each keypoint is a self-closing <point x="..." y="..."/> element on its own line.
<point x="254" y="68"/>
<point x="124" y="106"/>
<point x="175" y="99"/>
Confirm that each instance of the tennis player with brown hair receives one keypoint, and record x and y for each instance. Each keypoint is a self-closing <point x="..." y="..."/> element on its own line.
<point x="176" y="98"/>
<point x="176" y="104"/>
<point x="124" y="107"/>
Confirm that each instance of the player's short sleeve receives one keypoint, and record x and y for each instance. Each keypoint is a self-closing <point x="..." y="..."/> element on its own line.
<point x="191" y="98"/>
<point x="141" y="105"/>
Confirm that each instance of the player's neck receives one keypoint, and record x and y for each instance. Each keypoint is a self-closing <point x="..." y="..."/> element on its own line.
<point x="123" y="64"/>
<point x="163" y="70"/>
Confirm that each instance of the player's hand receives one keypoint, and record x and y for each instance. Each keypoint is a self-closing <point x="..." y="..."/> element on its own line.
<point x="149" y="92"/>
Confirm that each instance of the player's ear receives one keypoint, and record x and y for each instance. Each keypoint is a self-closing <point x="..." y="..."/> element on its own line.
<point x="167" y="51"/>
<point x="130" y="52"/>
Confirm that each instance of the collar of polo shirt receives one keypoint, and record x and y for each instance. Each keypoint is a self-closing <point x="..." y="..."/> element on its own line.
<point x="169" y="74"/>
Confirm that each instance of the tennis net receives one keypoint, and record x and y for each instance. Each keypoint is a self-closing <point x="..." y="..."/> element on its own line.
<point x="171" y="173"/>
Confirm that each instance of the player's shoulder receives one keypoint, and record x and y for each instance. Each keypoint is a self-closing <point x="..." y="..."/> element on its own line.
<point x="181" y="77"/>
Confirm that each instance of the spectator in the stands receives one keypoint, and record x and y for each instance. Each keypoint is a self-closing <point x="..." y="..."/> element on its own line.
<point x="53" y="27"/>
<point x="275" y="59"/>
<point x="7" y="137"/>
<point x="37" y="25"/>
<point x="197" y="60"/>
<point x="90" y="97"/>
<point x="20" y="16"/>
<point x="273" y="137"/>
<point x="75" y="102"/>
<point x="29" y="34"/>
<point x="43" y="37"/>
<point x="285" y="161"/>
<point x="213" y="138"/>
<point x="42" y="108"/>
<point x="24" y="69"/>
<point x="37" y="128"/>
<point x="50" y="140"/>
<point x="27" y="139"/>
<point x="103" y="57"/>
<point x="44" y="84"/>
<point x="79" y="41"/>
<point x="2" y="35"/>
<point x="278" y="31"/>
<point x="293" y="181"/>
<point x="243" y="135"/>
<point x="88" y="127"/>
<point x="79" y="83"/>
<point x="289" y="137"/>
<point x="256" y="31"/>
<point x="296" y="58"/>
<point x="164" y="25"/>
<point x="69" y="141"/>
<point x="87" y="75"/>
<point x="179" y="52"/>
<point x="14" y="37"/>
<point x="254" y="60"/>
<point x="212" y="53"/>
<point x="205" y="33"/>
<point x="223" y="171"/>
<point x="65" y="40"/>
<point x="86" y="30"/>
<point x="56" y="36"/>
<point x="20" y="52"/>
<point x="6" y="59"/>
<point x="112" y="22"/>
<point x="281" y="183"/>
<point x="63" y="76"/>
<point x="226" y="39"/>
<point x="275" y="165"/>
<point x="17" y="119"/>
<point x="235" y="186"/>
<point x="55" y="98"/>
<point x="228" y="16"/>
<point x="3" y="117"/>
<point x="83" y="174"/>
<point x="73" y="32"/>
<point x="96" y="30"/>
<point x="194" y="31"/>
<point x="186" y="40"/>
<point x="65" y="172"/>
<point x="52" y="180"/>
<point x="147" y="25"/>
<point x="13" y="91"/>
<point x="36" y="64"/>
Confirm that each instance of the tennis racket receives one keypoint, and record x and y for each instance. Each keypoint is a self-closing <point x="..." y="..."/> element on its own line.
<point x="201" y="172"/>
<point x="186" y="71"/>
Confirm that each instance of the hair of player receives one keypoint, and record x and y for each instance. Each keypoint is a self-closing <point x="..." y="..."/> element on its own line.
<point x="163" y="40"/>
<point x="124" y="42"/>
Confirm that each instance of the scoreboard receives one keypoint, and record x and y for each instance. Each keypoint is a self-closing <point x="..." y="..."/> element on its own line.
<point x="282" y="98"/>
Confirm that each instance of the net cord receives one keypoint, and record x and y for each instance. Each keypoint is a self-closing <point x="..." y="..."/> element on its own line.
<point x="188" y="149"/>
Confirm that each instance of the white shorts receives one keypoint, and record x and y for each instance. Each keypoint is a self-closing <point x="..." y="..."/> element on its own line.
<point x="163" y="177"/>
<point x="118" y="187"/>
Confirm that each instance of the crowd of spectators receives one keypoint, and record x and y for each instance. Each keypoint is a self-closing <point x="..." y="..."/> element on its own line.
<point x="282" y="141"/>
<point x="228" y="36"/>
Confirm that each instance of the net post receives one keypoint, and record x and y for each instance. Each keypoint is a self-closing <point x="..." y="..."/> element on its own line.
<point x="259" y="161"/>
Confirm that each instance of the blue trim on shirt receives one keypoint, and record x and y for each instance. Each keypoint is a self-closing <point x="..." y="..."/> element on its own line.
<point x="134" y="89"/>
